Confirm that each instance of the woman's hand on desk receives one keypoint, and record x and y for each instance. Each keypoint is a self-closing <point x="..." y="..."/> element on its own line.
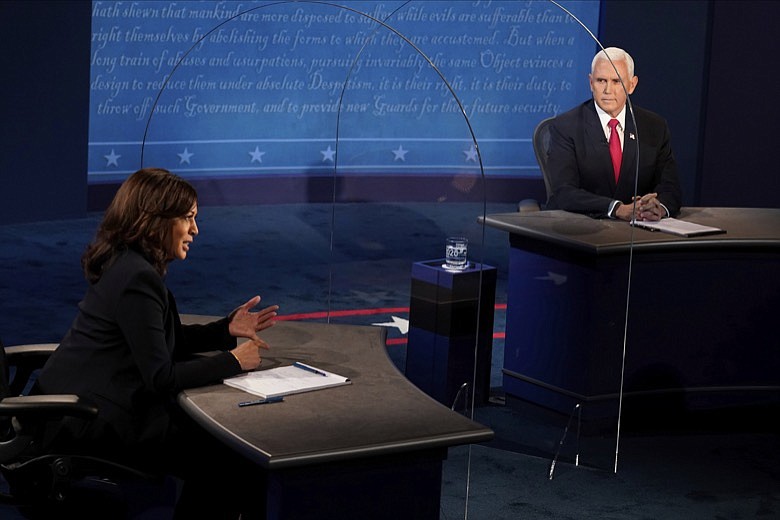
<point x="246" y="324"/>
<point x="248" y="354"/>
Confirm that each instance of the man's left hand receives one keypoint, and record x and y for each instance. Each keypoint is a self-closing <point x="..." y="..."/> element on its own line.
<point x="649" y="208"/>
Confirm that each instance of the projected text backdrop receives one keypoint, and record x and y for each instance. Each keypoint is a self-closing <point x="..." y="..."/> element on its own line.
<point x="259" y="93"/>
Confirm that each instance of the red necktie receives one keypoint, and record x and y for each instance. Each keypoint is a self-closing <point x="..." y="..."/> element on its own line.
<point x="614" y="147"/>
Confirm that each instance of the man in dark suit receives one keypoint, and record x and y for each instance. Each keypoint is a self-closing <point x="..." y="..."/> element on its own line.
<point x="586" y="178"/>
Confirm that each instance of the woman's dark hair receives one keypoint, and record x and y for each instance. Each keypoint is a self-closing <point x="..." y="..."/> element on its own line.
<point x="140" y="217"/>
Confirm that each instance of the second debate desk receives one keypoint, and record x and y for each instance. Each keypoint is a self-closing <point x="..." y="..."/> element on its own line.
<point x="699" y="314"/>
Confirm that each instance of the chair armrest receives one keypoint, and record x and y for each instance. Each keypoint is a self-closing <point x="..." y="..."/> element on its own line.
<point x="45" y="407"/>
<point x="32" y="350"/>
<point x="26" y="359"/>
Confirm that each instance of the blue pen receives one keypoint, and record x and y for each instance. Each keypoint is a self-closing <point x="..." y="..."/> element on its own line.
<point x="267" y="400"/>
<point x="309" y="369"/>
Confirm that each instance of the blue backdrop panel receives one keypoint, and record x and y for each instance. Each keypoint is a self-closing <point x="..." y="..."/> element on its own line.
<point x="254" y="88"/>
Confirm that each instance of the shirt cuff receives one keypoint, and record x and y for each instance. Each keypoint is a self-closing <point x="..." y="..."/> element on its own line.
<point x="613" y="208"/>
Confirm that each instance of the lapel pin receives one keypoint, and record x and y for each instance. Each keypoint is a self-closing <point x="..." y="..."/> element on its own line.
<point x="631" y="136"/>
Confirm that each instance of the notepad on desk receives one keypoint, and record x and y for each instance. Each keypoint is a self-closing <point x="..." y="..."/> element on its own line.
<point x="678" y="227"/>
<point x="286" y="380"/>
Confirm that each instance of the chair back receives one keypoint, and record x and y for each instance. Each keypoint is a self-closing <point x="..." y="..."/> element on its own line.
<point x="5" y="388"/>
<point x="541" y="141"/>
<point x="6" y="428"/>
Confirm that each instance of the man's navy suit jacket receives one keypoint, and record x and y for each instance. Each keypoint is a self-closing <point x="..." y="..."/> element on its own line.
<point x="580" y="169"/>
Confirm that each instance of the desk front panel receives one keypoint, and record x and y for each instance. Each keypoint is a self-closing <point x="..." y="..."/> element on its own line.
<point x="700" y="320"/>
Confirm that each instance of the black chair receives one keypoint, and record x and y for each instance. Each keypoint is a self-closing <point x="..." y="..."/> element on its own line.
<point x="541" y="141"/>
<point x="51" y="483"/>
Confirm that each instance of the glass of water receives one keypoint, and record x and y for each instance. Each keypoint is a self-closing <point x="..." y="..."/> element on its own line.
<point x="456" y="253"/>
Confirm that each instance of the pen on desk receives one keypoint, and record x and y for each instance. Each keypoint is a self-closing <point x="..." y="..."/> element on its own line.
<point x="309" y="369"/>
<point x="267" y="400"/>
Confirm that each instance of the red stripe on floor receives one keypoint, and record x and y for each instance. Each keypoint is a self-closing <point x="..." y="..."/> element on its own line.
<point x="354" y="312"/>
<point x="341" y="314"/>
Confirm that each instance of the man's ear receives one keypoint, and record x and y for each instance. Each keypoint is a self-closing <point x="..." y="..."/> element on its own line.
<point x="632" y="84"/>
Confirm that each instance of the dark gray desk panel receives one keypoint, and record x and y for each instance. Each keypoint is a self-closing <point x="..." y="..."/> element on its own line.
<point x="380" y="413"/>
<point x="701" y="317"/>
<point x="745" y="228"/>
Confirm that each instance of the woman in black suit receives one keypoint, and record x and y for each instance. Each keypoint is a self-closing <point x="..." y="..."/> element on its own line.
<point x="128" y="352"/>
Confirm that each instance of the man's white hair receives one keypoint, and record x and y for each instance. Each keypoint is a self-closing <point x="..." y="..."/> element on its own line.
<point x="615" y="54"/>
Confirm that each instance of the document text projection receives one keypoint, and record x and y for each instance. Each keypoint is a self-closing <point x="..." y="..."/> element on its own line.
<point x="233" y="89"/>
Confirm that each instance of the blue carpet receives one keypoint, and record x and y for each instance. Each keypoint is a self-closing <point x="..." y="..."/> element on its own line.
<point x="292" y="256"/>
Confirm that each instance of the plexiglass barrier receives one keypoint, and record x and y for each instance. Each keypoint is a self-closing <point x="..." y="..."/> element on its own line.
<point x="352" y="140"/>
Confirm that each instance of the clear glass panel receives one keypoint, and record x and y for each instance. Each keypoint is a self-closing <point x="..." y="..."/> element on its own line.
<point x="384" y="107"/>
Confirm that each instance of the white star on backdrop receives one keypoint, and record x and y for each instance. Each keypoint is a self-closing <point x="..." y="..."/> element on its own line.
<point x="184" y="157"/>
<point x="471" y="154"/>
<point x="400" y="153"/>
<point x="328" y="155"/>
<point x="257" y="155"/>
<point x="112" y="158"/>
<point x="400" y="323"/>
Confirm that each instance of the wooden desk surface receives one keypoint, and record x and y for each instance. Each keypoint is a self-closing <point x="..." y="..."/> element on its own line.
<point x="745" y="227"/>
<point x="380" y="413"/>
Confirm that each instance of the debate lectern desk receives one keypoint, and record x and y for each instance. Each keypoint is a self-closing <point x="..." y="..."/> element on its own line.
<point x="450" y="315"/>
<point x="701" y="322"/>
<point x="371" y="449"/>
